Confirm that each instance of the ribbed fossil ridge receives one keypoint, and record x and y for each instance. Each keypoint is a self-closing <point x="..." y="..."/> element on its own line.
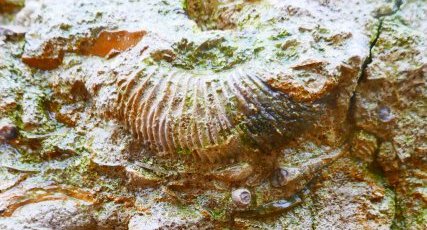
<point x="180" y="112"/>
<point x="209" y="78"/>
<point x="215" y="93"/>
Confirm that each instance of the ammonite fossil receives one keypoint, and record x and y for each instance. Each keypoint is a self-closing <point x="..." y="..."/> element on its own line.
<point x="229" y="86"/>
<point x="221" y="77"/>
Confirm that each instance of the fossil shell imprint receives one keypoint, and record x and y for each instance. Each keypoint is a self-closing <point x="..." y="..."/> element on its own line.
<point x="210" y="78"/>
<point x="183" y="100"/>
<point x="179" y="112"/>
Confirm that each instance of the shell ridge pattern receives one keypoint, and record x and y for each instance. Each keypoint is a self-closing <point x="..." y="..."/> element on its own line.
<point x="162" y="130"/>
<point x="158" y="106"/>
<point x="203" y="93"/>
<point x="137" y="104"/>
<point x="151" y="102"/>
<point x="210" y="125"/>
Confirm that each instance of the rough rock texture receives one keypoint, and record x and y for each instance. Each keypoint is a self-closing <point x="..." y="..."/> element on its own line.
<point x="391" y="105"/>
<point x="192" y="114"/>
<point x="210" y="93"/>
<point x="49" y="214"/>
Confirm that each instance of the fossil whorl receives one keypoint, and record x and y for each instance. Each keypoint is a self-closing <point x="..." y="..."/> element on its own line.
<point x="213" y="115"/>
<point x="209" y="77"/>
<point x="213" y="93"/>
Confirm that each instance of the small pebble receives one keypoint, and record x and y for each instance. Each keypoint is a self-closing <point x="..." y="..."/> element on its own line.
<point x="241" y="197"/>
<point x="280" y="177"/>
<point x="385" y="114"/>
<point x="8" y="132"/>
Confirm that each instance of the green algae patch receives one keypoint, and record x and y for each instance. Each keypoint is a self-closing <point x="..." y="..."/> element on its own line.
<point x="215" y="55"/>
<point x="281" y="35"/>
<point x="183" y="151"/>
